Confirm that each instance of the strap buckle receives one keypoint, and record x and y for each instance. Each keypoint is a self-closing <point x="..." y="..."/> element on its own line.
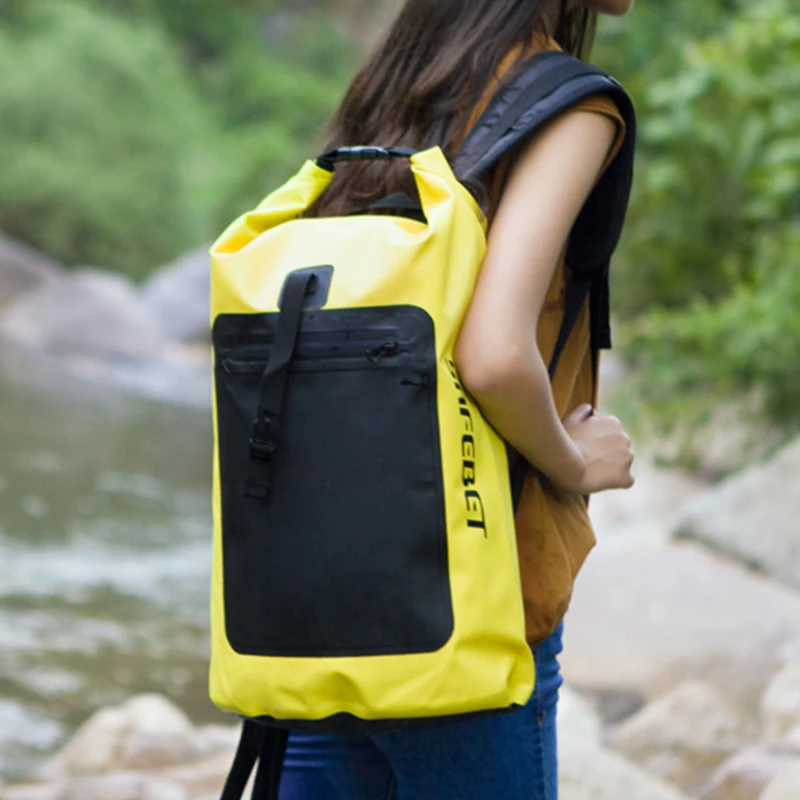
<point x="266" y="437"/>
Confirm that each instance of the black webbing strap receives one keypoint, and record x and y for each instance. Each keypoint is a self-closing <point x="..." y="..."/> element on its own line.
<point x="266" y="436"/>
<point x="399" y="204"/>
<point x="577" y="289"/>
<point x="270" y="764"/>
<point x="552" y="71"/>
<point x="265" y="745"/>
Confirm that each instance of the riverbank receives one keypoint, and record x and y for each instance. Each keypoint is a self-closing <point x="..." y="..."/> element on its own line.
<point x="683" y="668"/>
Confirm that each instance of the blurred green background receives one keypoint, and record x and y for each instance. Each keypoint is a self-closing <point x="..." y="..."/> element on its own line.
<point x="133" y="130"/>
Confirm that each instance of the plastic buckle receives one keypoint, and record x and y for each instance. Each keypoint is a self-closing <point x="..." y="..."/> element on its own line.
<point x="266" y="435"/>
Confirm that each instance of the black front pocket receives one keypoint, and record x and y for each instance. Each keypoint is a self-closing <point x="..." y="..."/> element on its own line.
<point x="348" y="555"/>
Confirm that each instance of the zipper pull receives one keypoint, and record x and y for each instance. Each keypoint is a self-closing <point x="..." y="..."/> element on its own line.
<point x="386" y="350"/>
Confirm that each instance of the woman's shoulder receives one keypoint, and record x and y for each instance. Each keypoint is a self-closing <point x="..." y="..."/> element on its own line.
<point x="604" y="105"/>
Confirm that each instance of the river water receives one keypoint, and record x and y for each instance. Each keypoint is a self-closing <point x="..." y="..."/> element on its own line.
<point x="105" y="554"/>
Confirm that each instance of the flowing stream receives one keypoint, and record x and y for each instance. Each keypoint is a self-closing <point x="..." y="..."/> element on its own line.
<point x="105" y="554"/>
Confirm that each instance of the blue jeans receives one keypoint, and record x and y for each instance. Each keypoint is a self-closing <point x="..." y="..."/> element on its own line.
<point x="512" y="757"/>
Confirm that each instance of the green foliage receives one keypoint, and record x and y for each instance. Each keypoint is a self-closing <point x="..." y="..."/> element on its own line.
<point x="719" y="162"/>
<point x="276" y="103"/>
<point x="700" y="356"/>
<point x="708" y="278"/>
<point x="134" y="129"/>
<point x="99" y="136"/>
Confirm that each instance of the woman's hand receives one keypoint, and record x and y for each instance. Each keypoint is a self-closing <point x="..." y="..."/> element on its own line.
<point x="605" y="451"/>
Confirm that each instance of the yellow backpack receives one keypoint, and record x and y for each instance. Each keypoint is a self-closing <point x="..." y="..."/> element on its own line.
<point x="365" y="569"/>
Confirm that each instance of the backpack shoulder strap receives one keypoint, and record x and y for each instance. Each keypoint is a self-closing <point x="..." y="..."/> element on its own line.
<point x="515" y="112"/>
<point x="264" y="746"/>
<point x="539" y="90"/>
<point x="542" y="88"/>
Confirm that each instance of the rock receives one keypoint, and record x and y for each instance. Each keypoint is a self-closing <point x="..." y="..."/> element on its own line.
<point x="93" y="749"/>
<point x="747" y="774"/>
<point x="780" y="707"/>
<point x="158" y="734"/>
<point x="204" y="779"/>
<point x="39" y="791"/>
<point x="597" y="774"/>
<point x="753" y="516"/>
<point x="682" y="737"/>
<point x="646" y="619"/>
<point x="213" y="738"/>
<point x="579" y="726"/>
<point x="786" y="786"/>
<point x="734" y="439"/>
<point x="789" y="652"/>
<point x="793" y="738"/>
<point x="178" y="296"/>
<point x="122" y="786"/>
<point x="647" y="512"/>
<point x="85" y="313"/>
<point x="22" y="269"/>
<point x="147" y="732"/>
<point x="616" y="705"/>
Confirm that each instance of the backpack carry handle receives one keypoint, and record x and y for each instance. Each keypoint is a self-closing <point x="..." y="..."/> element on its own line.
<point x="328" y="161"/>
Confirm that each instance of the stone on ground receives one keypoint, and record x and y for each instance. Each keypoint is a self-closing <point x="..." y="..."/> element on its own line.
<point x="579" y="725"/>
<point x="178" y="296"/>
<point x="753" y="516"/>
<point x="647" y="512"/>
<point x="682" y="737"/>
<point x="643" y="620"/>
<point x="147" y="732"/>
<point x="87" y="313"/>
<point x="746" y="775"/>
<point x="121" y="786"/>
<point x="597" y="774"/>
<point x="22" y="269"/>
<point x="38" y="791"/>
<point x="780" y="706"/>
<point x="786" y="786"/>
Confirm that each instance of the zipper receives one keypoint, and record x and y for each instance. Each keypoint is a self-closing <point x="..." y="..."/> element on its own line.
<point x="242" y="341"/>
<point x="391" y="347"/>
<point x="322" y="351"/>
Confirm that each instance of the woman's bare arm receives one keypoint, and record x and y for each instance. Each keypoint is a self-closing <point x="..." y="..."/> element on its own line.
<point x="497" y="352"/>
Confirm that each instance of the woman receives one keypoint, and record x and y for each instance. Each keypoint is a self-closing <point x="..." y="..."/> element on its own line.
<point x="426" y="85"/>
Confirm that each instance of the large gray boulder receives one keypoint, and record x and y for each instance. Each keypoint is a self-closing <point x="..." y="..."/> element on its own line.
<point x="22" y="269"/>
<point x="647" y="619"/>
<point x="85" y="313"/>
<point x="587" y="771"/>
<point x="746" y="775"/>
<point x="147" y="732"/>
<point x="682" y="737"/>
<point x="645" y="513"/>
<point x="780" y="707"/>
<point x="122" y="786"/>
<point x="786" y="785"/>
<point x="579" y="724"/>
<point x="754" y="516"/>
<point x="178" y="296"/>
<point x="598" y="774"/>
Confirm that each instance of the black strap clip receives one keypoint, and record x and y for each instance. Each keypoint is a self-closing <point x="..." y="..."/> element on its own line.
<point x="264" y="446"/>
<point x="266" y="438"/>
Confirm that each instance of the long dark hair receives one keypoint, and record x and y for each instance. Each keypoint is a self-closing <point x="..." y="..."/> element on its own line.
<point x="418" y="88"/>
